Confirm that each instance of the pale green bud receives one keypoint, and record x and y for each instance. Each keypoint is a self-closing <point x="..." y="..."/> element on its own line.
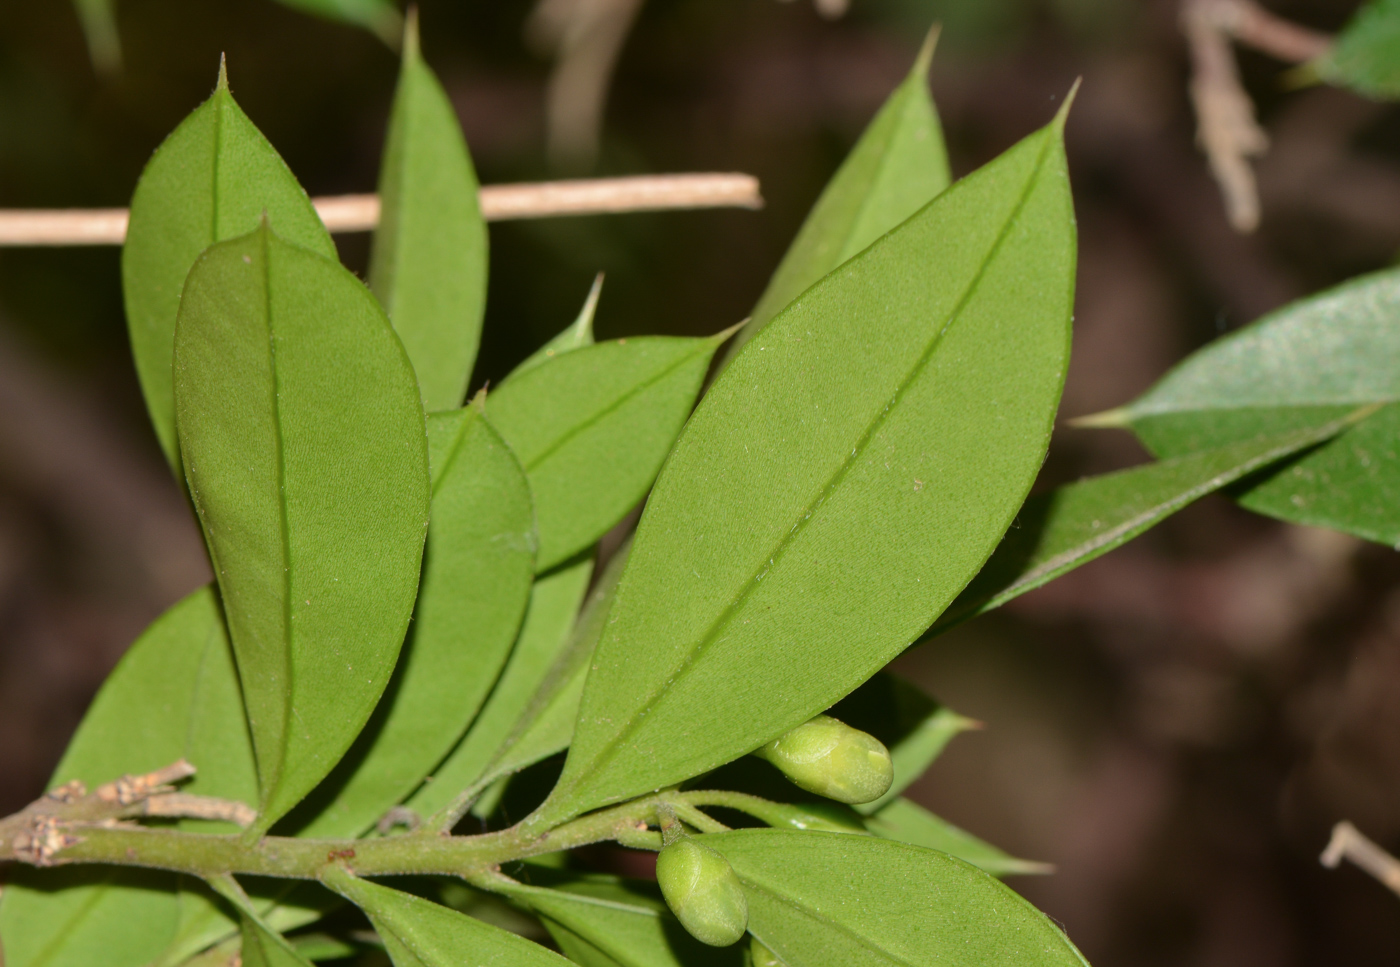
<point x="703" y="892"/>
<point x="831" y="759"/>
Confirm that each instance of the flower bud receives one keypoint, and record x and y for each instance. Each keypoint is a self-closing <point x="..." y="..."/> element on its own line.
<point x="832" y="759"/>
<point x="703" y="892"/>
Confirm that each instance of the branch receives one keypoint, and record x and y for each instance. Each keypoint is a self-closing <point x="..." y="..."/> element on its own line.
<point x="360" y="213"/>
<point x="1349" y="843"/>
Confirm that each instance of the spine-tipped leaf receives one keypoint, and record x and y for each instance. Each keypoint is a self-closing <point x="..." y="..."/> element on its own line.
<point x="839" y="484"/>
<point x="306" y="456"/>
<point x="428" y="266"/>
<point x="212" y="179"/>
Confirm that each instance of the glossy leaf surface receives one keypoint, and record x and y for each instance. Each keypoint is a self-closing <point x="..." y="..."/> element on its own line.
<point x="475" y="584"/>
<point x="311" y="482"/>
<point x="1072" y="525"/>
<point x="578" y="335"/>
<point x="898" y="164"/>
<point x="419" y="933"/>
<point x="839" y="484"/>
<point x="211" y="180"/>
<point x="908" y="822"/>
<point x="174" y="694"/>
<point x="1303" y="366"/>
<point x="592" y="427"/>
<point x="1366" y="53"/>
<point x="428" y="264"/>
<point x="833" y="900"/>
<point x="615" y="921"/>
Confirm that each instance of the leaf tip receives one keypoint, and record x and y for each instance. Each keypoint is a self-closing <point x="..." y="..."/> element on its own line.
<point x="409" y="46"/>
<point x="925" y="58"/>
<point x="1062" y="114"/>
<point x="222" y="85"/>
<point x="724" y="334"/>
<point x="478" y="402"/>
<point x="1108" y="419"/>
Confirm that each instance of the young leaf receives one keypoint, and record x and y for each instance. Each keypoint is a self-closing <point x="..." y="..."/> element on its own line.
<point x="1307" y="364"/>
<point x="1058" y="531"/>
<point x="305" y="452"/>
<point x="173" y="695"/>
<point x="212" y="179"/>
<point x="428" y="265"/>
<point x="380" y="17"/>
<point x="530" y="726"/>
<point x="419" y="933"/>
<point x="914" y="727"/>
<point x="475" y="584"/>
<point x="625" y="922"/>
<point x="898" y="164"/>
<point x="262" y="946"/>
<point x="554" y="602"/>
<point x="592" y="428"/>
<point x="908" y="822"/>
<point x="833" y="900"/>
<point x="1366" y="54"/>
<point x="839" y="484"/>
<point x="578" y="335"/>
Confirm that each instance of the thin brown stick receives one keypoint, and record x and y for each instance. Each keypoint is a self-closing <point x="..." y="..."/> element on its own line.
<point x="1253" y="26"/>
<point x="187" y="806"/>
<point x="360" y="213"/>
<point x="1348" y="842"/>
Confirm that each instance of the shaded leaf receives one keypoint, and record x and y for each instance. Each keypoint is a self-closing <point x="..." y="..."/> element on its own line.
<point x="898" y="164"/>
<point x="380" y="17"/>
<point x="475" y="584"/>
<point x="908" y="822"/>
<point x="839" y="484"/>
<point x="578" y="335"/>
<point x="311" y="483"/>
<point x="1072" y="525"/>
<point x="99" y="21"/>
<point x="428" y="263"/>
<point x="592" y="427"/>
<point x="1301" y="367"/>
<point x="262" y="946"/>
<point x="833" y="900"/>
<point x="173" y="695"/>
<point x="1366" y="53"/>
<point x="554" y="603"/>
<point x="212" y="179"/>
<point x="543" y="725"/>
<point x="419" y="933"/>
<point x="607" y="920"/>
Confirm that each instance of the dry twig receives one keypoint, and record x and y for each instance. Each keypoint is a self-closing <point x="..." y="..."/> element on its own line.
<point x="1348" y="842"/>
<point x="1226" y="127"/>
<point x="359" y="213"/>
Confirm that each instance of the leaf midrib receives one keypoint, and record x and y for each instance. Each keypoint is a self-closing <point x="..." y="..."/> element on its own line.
<point x="712" y="634"/>
<point x="617" y="404"/>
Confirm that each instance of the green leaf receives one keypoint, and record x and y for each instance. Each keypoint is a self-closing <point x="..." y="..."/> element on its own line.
<point x="833" y="900"/>
<point x="914" y="727"/>
<point x="174" y="694"/>
<point x="609" y="920"/>
<point x="306" y="456"/>
<point x="549" y="619"/>
<point x="898" y="164"/>
<point x="839" y="484"/>
<point x="525" y="732"/>
<point x="419" y="933"/>
<point x="908" y="822"/>
<point x="578" y="335"/>
<point x="1065" y="528"/>
<point x="1306" y="365"/>
<point x="380" y="17"/>
<point x="1366" y="53"/>
<point x="428" y="265"/>
<point x="262" y="946"/>
<point x="592" y="428"/>
<point x="475" y="585"/>
<point x="211" y="180"/>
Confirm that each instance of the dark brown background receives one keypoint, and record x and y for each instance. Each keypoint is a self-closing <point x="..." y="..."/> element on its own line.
<point x="1175" y="726"/>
